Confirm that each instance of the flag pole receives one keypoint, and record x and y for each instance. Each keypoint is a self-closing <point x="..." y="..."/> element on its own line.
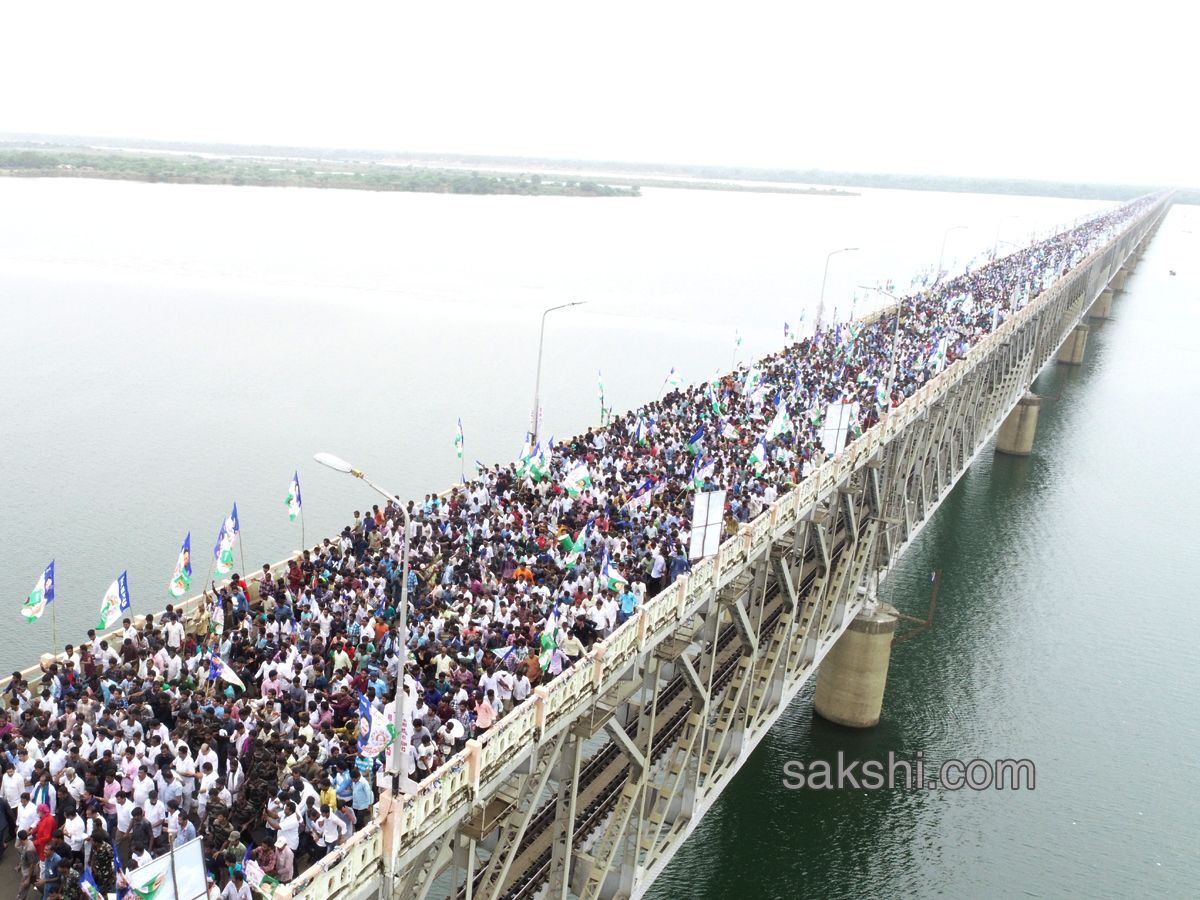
<point x="54" y="631"/>
<point x="303" y="542"/>
<point x="174" y="880"/>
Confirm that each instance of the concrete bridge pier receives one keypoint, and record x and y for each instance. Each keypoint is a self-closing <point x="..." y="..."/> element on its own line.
<point x="1102" y="308"/>
<point x="852" y="677"/>
<point x="1017" y="432"/>
<point x="1117" y="284"/>
<point x="1071" y="351"/>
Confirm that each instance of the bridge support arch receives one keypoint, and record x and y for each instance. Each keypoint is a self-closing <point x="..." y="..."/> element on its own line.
<point x="1071" y="351"/>
<point x="852" y="677"/>
<point x="1017" y="431"/>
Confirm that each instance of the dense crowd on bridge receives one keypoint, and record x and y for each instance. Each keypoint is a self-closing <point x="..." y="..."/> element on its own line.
<point x="134" y="742"/>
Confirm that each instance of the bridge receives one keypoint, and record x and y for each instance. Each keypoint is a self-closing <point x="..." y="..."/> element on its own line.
<point x="590" y="786"/>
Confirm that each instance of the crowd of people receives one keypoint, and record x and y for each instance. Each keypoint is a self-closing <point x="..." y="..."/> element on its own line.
<point x="239" y="721"/>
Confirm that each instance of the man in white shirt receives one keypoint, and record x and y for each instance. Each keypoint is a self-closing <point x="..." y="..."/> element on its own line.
<point x="156" y="813"/>
<point x="173" y="631"/>
<point x="27" y="814"/>
<point x="75" y="831"/>
<point x="332" y="829"/>
<point x="143" y="785"/>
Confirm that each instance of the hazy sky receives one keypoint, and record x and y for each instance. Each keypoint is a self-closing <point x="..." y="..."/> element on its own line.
<point x="1079" y="91"/>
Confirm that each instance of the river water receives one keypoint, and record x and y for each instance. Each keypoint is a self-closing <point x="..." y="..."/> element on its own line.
<point x="168" y="350"/>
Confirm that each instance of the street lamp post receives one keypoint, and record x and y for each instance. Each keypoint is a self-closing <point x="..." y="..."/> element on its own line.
<point x="996" y="245"/>
<point x="942" y="254"/>
<point x="537" y="384"/>
<point x="895" y="343"/>
<point x="824" y="278"/>
<point x="398" y="701"/>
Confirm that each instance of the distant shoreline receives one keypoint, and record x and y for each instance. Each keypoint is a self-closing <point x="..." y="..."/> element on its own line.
<point x="121" y="165"/>
<point x="647" y="174"/>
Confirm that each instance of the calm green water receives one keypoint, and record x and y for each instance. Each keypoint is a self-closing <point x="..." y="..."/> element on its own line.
<point x="1066" y="632"/>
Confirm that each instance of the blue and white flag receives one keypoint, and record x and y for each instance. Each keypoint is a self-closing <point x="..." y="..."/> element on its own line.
<point x="182" y="579"/>
<point x="641" y="497"/>
<point x="115" y="605"/>
<point x="610" y="578"/>
<point x="375" y="729"/>
<point x="218" y="669"/>
<point x="695" y="439"/>
<point x="223" y="552"/>
<point x="780" y="424"/>
<point x="41" y="596"/>
<point x="758" y="456"/>
<point x="88" y="887"/>
<point x="293" y="497"/>
<point x="727" y="431"/>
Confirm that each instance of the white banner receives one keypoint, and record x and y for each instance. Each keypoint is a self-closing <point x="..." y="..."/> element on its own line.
<point x="708" y="519"/>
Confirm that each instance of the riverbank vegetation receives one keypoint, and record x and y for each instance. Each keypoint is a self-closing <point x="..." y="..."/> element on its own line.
<point x="290" y="173"/>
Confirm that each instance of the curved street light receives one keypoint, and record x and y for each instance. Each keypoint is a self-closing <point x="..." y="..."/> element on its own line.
<point x="996" y="244"/>
<point x="537" y="384"/>
<point x="821" y="302"/>
<point x="942" y="254"/>
<point x="895" y="342"/>
<point x="398" y="701"/>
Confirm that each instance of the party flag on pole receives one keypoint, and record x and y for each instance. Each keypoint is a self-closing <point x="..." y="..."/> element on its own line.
<point x="223" y="552"/>
<point x="458" y="441"/>
<point x="577" y="479"/>
<point x="218" y="669"/>
<point x="182" y="579"/>
<point x="88" y="886"/>
<point x="608" y="573"/>
<point x="115" y="604"/>
<point x="641" y="497"/>
<point x="758" y="456"/>
<point x="293" y="497"/>
<point x="41" y="597"/>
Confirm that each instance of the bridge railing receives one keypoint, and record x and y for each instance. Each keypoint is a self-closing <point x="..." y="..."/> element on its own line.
<point x="579" y="686"/>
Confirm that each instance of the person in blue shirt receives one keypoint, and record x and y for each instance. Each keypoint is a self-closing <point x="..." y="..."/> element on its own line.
<point x="679" y="565"/>
<point x="629" y="603"/>
<point x="361" y="798"/>
<point x="342" y="785"/>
